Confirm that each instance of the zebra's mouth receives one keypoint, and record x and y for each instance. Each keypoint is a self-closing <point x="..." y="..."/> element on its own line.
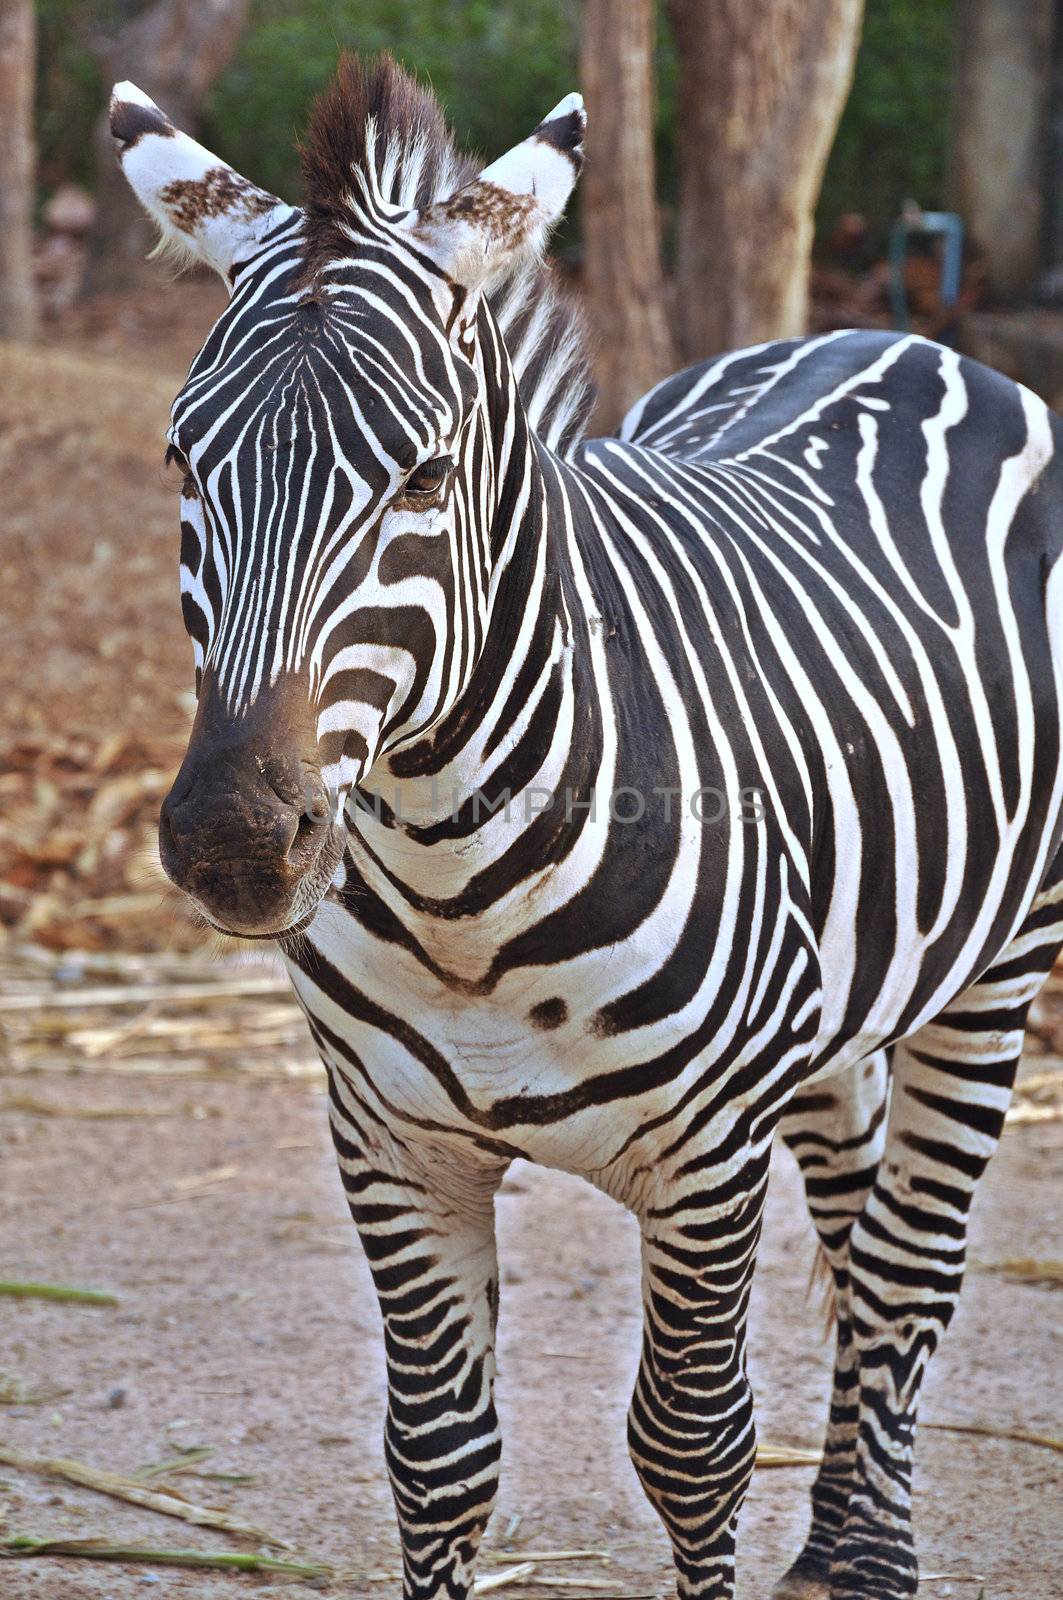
<point x="239" y="900"/>
<point x="276" y="935"/>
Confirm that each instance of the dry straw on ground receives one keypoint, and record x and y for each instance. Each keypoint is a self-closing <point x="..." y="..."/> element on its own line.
<point x="168" y="1501"/>
<point x="146" y="1015"/>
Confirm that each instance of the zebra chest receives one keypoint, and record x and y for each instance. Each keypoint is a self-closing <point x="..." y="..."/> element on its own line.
<point x="437" y="1059"/>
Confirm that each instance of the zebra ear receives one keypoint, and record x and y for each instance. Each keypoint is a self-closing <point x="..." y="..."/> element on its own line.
<point x="511" y="206"/>
<point x="204" y="209"/>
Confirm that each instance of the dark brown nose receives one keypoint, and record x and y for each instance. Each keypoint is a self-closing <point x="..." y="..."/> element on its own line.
<point x="241" y="831"/>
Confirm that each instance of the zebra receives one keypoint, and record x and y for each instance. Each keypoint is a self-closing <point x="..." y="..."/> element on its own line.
<point x="612" y="803"/>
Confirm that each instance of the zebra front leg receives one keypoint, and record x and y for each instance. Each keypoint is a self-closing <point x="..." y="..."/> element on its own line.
<point x="690" y="1427"/>
<point x="836" y="1130"/>
<point x="428" y="1232"/>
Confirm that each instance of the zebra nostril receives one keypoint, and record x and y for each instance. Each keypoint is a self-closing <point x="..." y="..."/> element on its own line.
<point x="315" y="812"/>
<point x="305" y="830"/>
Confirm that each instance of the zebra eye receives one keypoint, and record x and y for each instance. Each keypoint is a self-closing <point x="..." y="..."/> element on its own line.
<point x="175" y="458"/>
<point x="426" y="480"/>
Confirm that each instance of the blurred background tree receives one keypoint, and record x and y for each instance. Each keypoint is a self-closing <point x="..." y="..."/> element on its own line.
<point x="17" y="43"/>
<point x="622" y="278"/>
<point x="1000" y="156"/>
<point x="761" y="88"/>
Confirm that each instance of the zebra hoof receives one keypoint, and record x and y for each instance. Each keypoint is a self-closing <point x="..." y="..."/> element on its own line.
<point x="799" y="1588"/>
<point x="802" y="1582"/>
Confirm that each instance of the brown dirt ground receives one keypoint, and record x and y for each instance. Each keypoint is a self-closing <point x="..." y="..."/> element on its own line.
<point x="246" y="1319"/>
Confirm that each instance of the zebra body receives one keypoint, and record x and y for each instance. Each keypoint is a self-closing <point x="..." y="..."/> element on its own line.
<point x="531" y="1081"/>
<point x="614" y="803"/>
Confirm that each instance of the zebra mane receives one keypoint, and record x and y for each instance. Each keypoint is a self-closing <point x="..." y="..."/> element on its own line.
<point x="377" y="137"/>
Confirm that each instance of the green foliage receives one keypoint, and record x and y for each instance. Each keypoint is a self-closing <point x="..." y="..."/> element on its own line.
<point x="496" y="68"/>
<point x="70" y="94"/>
<point x="893" y="137"/>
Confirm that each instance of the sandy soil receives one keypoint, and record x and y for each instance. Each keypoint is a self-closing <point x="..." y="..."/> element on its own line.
<point x="246" y="1319"/>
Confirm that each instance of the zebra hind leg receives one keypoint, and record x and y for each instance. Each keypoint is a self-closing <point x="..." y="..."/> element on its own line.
<point x="952" y="1083"/>
<point x="836" y="1129"/>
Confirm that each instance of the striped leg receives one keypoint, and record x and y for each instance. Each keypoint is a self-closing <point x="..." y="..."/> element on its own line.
<point x="690" y="1427"/>
<point x="951" y="1086"/>
<point x="428" y="1232"/>
<point x="836" y="1130"/>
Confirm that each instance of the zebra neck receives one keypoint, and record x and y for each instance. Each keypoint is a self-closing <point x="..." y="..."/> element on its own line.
<point x="499" y="789"/>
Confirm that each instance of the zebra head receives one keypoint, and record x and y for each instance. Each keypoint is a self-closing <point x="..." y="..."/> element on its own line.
<point x="343" y="438"/>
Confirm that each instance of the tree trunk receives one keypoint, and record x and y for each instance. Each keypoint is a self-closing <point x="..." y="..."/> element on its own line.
<point x="1001" y="94"/>
<point x="18" y="39"/>
<point x="762" y="84"/>
<point x="622" y="262"/>
<point x="174" y="52"/>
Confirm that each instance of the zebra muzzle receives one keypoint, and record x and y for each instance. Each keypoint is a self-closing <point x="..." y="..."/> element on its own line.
<point x="247" y="830"/>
